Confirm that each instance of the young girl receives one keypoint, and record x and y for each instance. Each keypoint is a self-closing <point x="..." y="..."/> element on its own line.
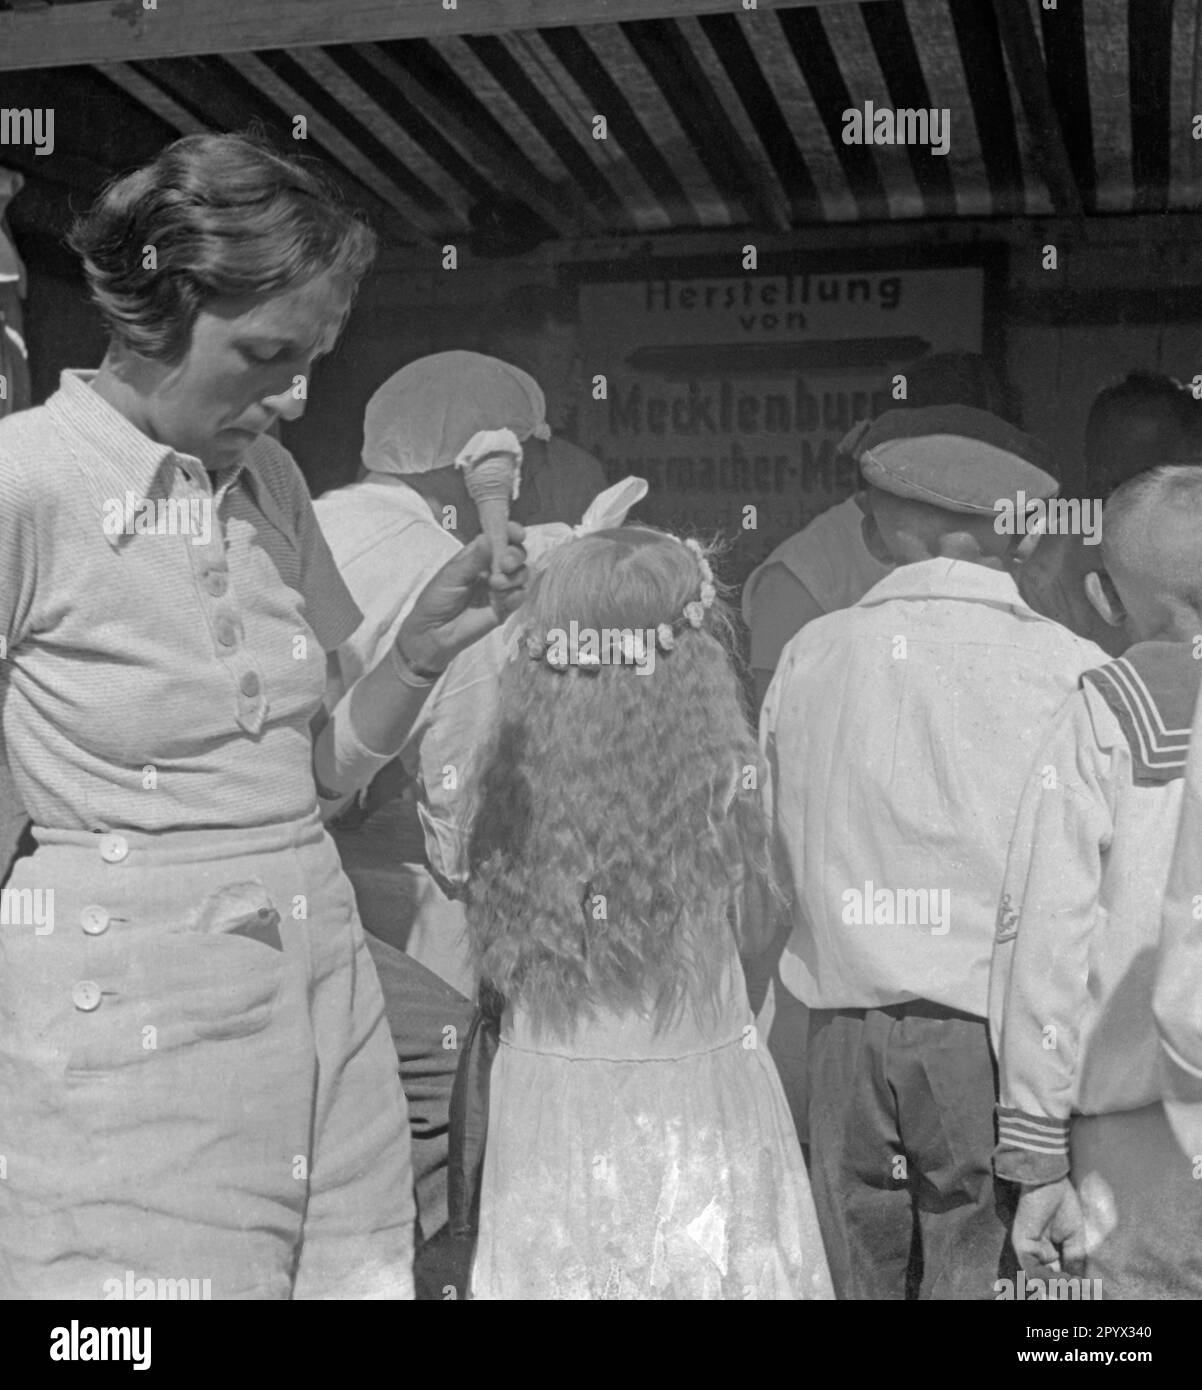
<point x="639" y="1144"/>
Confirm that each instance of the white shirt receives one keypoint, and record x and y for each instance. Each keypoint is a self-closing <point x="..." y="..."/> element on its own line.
<point x="898" y="735"/>
<point x="827" y="560"/>
<point x="1177" y="1003"/>
<point x="1071" y="988"/>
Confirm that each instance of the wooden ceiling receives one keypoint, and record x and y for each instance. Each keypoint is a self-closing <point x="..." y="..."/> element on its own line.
<point x="718" y="116"/>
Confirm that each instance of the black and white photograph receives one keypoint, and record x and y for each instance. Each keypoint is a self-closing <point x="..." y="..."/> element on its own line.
<point x="600" y="651"/>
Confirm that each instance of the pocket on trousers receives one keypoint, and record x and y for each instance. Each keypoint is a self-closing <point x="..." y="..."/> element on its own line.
<point x="214" y="977"/>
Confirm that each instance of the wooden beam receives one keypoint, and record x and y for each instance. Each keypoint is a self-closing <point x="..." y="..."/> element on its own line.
<point x="115" y="31"/>
<point x="133" y="84"/>
<point x="401" y="144"/>
<point x="682" y="81"/>
<point x="527" y="94"/>
<point x="892" y="41"/>
<point x="203" y="85"/>
<point x="733" y="50"/>
<point x="261" y="78"/>
<point x="816" y="60"/>
<point x="488" y="148"/>
<point x="976" y="29"/>
<point x="1030" y="76"/>
<point x="602" y="88"/>
<point x="1150" y="58"/>
<point x="1066" y="67"/>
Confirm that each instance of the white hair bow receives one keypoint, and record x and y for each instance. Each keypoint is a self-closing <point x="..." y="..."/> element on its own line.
<point x="608" y="509"/>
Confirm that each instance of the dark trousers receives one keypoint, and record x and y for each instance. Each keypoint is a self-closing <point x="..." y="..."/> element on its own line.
<point x="787" y="1044"/>
<point x="429" y="1022"/>
<point x="427" y="1017"/>
<point x="789" y="1028"/>
<point x="901" y="1118"/>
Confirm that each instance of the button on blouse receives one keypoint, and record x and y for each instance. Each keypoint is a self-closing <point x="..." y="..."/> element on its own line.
<point x="163" y="639"/>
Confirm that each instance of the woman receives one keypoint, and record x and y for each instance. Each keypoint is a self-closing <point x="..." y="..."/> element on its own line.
<point x="406" y="849"/>
<point x="404" y="852"/>
<point x="196" y="1076"/>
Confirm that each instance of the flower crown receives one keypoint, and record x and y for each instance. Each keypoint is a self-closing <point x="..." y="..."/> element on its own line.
<point x="539" y="647"/>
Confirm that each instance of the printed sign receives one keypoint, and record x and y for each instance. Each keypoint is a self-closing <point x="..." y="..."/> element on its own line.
<point x="732" y="393"/>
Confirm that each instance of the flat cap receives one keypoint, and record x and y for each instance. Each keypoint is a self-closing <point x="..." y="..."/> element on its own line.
<point x="951" y="456"/>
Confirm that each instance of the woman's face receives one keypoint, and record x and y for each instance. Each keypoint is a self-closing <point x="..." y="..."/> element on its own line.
<point x="246" y="367"/>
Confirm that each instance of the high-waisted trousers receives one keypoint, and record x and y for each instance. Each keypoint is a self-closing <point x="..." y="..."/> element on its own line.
<point x="197" y="1080"/>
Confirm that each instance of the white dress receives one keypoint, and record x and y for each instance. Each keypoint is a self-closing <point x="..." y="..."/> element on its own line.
<point x="622" y="1164"/>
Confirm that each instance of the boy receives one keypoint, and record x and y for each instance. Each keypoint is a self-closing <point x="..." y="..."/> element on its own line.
<point x="1177" y="1001"/>
<point x="1073" y="972"/>
<point x="898" y="733"/>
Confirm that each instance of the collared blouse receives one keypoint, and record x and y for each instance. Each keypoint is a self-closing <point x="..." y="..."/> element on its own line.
<point x="163" y="638"/>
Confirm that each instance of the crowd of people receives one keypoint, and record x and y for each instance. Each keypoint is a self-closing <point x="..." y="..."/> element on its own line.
<point x="418" y="902"/>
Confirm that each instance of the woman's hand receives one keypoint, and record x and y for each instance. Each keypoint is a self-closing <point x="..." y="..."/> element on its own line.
<point x="462" y="603"/>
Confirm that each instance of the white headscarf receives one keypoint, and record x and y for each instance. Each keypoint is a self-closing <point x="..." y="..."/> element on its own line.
<point x="429" y="414"/>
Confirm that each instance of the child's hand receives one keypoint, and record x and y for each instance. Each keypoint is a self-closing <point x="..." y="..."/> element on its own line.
<point x="1049" y="1228"/>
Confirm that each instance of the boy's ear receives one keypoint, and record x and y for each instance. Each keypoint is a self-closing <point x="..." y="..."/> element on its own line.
<point x="963" y="545"/>
<point x="1100" y="591"/>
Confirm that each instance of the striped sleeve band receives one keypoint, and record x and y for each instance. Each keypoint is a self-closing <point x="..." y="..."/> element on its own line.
<point x="1031" y="1149"/>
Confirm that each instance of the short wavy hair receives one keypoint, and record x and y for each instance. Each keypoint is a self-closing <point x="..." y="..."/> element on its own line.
<point x="632" y="786"/>
<point x="227" y="217"/>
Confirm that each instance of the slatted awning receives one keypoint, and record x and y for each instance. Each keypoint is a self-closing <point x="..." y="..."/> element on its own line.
<point x="717" y="116"/>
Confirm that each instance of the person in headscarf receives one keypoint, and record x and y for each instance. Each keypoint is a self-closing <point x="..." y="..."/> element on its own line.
<point x="535" y="327"/>
<point x="404" y="845"/>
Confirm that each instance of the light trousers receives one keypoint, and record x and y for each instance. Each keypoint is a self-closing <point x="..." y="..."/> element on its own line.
<point x="196" y="1076"/>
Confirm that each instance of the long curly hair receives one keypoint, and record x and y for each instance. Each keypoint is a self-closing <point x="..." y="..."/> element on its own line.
<point x="620" y="834"/>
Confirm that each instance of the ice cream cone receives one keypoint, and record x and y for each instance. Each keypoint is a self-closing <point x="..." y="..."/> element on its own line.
<point x="490" y="486"/>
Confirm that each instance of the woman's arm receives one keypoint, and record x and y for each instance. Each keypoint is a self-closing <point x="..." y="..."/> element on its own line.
<point x="457" y="607"/>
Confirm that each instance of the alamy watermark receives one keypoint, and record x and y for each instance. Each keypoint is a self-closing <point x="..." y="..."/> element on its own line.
<point x="165" y="1290"/>
<point x="1034" y="1287"/>
<point x="28" y="907"/>
<point x="162" y="516"/>
<point x="86" y="1343"/>
<point x="26" y="125"/>
<point x="898" y="907"/>
<point x="1053" y="516"/>
<point x="882" y="125"/>
<point x="609" y="646"/>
